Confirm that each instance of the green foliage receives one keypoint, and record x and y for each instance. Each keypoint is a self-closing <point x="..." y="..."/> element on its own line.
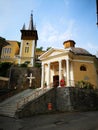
<point x="38" y="65"/>
<point x="84" y="84"/>
<point x="48" y="48"/>
<point x="24" y="65"/>
<point x="39" y="49"/>
<point x="4" y="67"/>
<point x="27" y="62"/>
<point x="19" y="43"/>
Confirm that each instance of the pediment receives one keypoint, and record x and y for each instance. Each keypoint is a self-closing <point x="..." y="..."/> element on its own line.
<point x="51" y="53"/>
<point x="54" y="53"/>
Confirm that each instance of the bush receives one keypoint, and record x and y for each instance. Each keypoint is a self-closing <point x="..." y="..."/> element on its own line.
<point x="38" y="65"/>
<point x="24" y="65"/>
<point x="84" y="84"/>
<point x="4" y="67"/>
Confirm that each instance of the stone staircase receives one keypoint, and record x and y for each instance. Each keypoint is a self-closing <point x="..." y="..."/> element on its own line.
<point x="12" y="104"/>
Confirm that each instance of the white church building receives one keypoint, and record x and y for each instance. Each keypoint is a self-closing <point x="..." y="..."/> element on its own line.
<point x="72" y="64"/>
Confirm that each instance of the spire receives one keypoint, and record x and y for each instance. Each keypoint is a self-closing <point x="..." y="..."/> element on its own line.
<point x="31" y="23"/>
<point x="23" y="28"/>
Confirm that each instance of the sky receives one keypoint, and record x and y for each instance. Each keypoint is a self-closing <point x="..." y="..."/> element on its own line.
<point x="56" y="21"/>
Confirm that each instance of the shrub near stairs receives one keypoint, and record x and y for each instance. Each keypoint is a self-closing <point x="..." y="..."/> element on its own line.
<point x="84" y="84"/>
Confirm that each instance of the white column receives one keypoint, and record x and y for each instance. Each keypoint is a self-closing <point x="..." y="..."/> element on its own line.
<point x="71" y="74"/>
<point x="60" y="71"/>
<point x="20" y="53"/>
<point x="33" y="53"/>
<point x="48" y="80"/>
<point x="43" y="76"/>
<point x="67" y="72"/>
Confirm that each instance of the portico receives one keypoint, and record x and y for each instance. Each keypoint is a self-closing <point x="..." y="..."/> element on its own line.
<point x="55" y="68"/>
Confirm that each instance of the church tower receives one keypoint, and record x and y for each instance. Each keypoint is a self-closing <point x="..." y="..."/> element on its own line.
<point x="28" y="45"/>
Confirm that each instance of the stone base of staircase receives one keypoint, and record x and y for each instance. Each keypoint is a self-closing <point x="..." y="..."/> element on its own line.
<point x="15" y="103"/>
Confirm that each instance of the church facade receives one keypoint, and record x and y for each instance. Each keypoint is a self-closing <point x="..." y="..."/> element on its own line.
<point x="27" y="49"/>
<point x="70" y="64"/>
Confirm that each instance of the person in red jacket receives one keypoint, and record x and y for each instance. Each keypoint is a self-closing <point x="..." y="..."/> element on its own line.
<point x="62" y="82"/>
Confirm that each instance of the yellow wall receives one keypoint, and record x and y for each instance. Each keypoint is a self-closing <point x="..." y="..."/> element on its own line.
<point x="9" y="52"/>
<point x="27" y="44"/>
<point x="27" y="50"/>
<point x="14" y="51"/>
<point x="38" y="53"/>
<point x="82" y="75"/>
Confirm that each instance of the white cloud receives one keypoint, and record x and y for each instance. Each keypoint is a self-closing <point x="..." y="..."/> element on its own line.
<point x="50" y="35"/>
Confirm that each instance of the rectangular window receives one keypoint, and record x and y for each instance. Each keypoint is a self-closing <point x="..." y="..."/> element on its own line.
<point x="26" y="49"/>
<point x="9" y="50"/>
<point x="5" y="50"/>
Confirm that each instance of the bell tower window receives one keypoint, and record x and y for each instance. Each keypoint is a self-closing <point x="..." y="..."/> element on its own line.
<point x="26" y="49"/>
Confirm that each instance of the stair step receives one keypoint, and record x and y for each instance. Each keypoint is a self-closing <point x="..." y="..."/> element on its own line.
<point x="7" y="110"/>
<point x="9" y="106"/>
<point x="8" y="114"/>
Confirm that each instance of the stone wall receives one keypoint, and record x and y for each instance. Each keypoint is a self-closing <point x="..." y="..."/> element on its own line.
<point x="76" y="99"/>
<point x="84" y="99"/>
<point x="3" y="84"/>
<point x="18" y="77"/>
<point x="62" y="100"/>
<point x="39" y="106"/>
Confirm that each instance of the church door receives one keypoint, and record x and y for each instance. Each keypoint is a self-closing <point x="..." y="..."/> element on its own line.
<point x="55" y="81"/>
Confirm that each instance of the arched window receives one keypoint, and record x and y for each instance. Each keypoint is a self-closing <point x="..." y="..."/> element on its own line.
<point x="82" y="68"/>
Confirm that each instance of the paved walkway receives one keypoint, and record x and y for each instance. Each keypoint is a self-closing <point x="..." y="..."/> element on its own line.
<point x="59" y="121"/>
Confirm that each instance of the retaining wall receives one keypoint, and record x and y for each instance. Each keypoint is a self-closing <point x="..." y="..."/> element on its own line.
<point x="62" y="100"/>
<point x="39" y="105"/>
<point x="18" y="77"/>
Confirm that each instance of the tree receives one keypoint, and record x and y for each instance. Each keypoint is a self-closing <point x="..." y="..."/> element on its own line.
<point x="19" y="43"/>
<point x="48" y="48"/>
<point x="39" y="49"/>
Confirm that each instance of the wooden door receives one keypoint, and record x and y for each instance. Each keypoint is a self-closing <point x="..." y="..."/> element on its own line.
<point x="55" y="81"/>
